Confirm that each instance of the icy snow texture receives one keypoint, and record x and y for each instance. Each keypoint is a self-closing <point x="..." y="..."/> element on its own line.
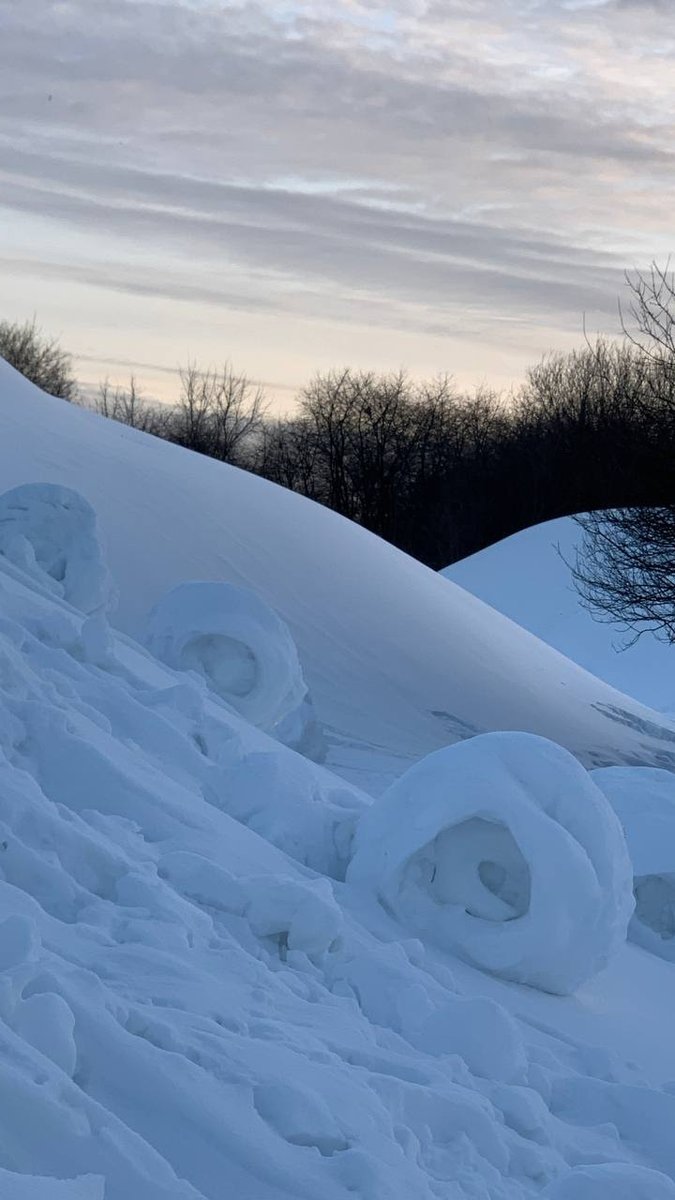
<point x="50" y="532"/>
<point x="312" y="817"/>
<point x="644" y="800"/>
<point x="482" y="1032"/>
<point x="30" y="1187"/>
<point x="240" y="647"/>
<point x="502" y="850"/>
<point x="612" y="1181"/>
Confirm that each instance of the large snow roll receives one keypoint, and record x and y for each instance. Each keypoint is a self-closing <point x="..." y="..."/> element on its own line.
<point x="643" y="798"/>
<point x="243" y="650"/>
<point x="502" y="850"/>
<point x="50" y="532"/>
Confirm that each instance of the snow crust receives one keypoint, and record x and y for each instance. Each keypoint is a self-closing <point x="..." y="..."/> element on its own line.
<point x="201" y="995"/>
<point x="502" y="850"/>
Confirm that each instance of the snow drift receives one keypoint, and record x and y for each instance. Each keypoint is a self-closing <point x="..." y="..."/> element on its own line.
<point x="502" y="850"/>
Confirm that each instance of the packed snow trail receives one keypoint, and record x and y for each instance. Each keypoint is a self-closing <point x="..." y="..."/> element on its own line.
<point x="398" y="662"/>
<point x="193" y="1004"/>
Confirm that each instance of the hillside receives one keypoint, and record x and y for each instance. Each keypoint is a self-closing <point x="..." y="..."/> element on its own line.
<point x="225" y="969"/>
<point x="394" y="659"/>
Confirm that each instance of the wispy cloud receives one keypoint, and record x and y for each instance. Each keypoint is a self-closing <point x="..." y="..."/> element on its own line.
<point x="395" y="162"/>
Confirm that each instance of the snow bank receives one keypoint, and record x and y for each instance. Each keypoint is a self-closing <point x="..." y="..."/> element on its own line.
<point x="50" y="532"/>
<point x="502" y="850"/>
<point x="243" y="651"/>
<point x="644" y="800"/>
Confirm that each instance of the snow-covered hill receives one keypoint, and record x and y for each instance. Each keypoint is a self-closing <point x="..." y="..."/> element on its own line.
<point x="526" y="578"/>
<point x="225" y="971"/>
<point x="395" y="659"/>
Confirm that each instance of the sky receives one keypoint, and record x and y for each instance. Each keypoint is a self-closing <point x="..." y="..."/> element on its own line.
<point x="443" y="185"/>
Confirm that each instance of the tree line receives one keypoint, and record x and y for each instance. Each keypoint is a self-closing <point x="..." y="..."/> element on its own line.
<point x="442" y="473"/>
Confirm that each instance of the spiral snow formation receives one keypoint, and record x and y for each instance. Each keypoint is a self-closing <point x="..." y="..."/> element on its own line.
<point x="502" y="850"/>
<point x="230" y="637"/>
<point x="50" y="533"/>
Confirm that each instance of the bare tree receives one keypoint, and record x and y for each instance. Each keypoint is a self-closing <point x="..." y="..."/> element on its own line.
<point x="650" y="325"/>
<point x="38" y="358"/>
<point x="219" y="413"/>
<point x="625" y="568"/>
<point x="128" y="406"/>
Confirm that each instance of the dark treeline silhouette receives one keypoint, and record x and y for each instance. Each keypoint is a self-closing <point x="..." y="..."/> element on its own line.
<point x="440" y="473"/>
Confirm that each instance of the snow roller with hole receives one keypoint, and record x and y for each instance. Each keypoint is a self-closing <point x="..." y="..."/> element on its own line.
<point x="50" y="533"/>
<point x="643" y="799"/>
<point x="503" y="851"/>
<point x="239" y="646"/>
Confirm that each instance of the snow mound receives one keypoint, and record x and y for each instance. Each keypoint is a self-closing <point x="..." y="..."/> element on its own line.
<point x="502" y="850"/>
<point x="644" y="800"/>
<point x="50" y="532"/>
<point x="612" y="1181"/>
<point x="240" y="647"/>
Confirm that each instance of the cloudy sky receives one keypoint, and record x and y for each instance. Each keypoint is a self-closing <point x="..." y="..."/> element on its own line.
<point x="448" y="185"/>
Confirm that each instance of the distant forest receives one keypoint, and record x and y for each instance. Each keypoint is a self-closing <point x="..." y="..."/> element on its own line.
<point x="437" y="472"/>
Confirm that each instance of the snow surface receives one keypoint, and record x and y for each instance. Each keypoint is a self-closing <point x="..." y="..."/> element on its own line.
<point x="194" y="1000"/>
<point x="396" y="660"/>
<point x="527" y="578"/>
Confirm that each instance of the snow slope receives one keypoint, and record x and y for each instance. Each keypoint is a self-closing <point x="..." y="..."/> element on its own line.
<point x="393" y="658"/>
<point x="526" y="578"/>
<point x="206" y="991"/>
